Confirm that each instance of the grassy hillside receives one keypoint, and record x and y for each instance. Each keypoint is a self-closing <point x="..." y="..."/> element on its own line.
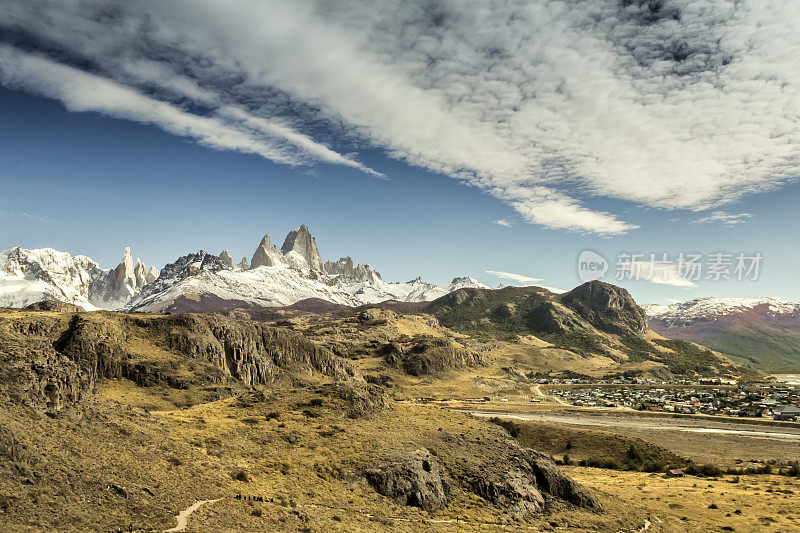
<point x="594" y="319"/>
<point x="592" y="447"/>
<point x="766" y="350"/>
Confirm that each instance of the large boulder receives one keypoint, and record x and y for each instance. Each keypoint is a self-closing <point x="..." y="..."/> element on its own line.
<point x="415" y="478"/>
<point x="362" y="399"/>
<point x="431" y="356"/>
<point x="514" y="490"/>
<point x="551" y="479"/>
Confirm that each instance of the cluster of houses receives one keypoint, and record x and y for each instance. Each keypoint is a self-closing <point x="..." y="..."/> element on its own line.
<point x="778" y="402"/>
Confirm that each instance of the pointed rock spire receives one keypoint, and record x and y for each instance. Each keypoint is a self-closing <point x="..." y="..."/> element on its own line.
<point x="265" y="255"/>
<point x="140" y="274"/>
<point x="152" y="274"/>
<point x="243" y="264"/>
<point x="303" y="244"/>
<point x="227" y="259"/>
<point x="124" y="281"/>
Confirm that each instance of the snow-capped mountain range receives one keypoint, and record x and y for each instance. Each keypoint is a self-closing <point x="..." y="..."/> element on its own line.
<point x="685" y="313"/>
<point x="29" y="276"/>
<point x="762" y="332"/>
<point x="202" y="281"/>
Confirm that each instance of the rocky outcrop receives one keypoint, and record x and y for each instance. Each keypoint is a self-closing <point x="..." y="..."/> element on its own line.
<point x="430" y="356"/>
<point x="362" y="399"/>
<point x="375" y="316"/>
<point x="32" y="371"/>
<point x="514" y="491"/>
<point x="53" y="361"/>
<point x="253" y="352"/>
<point x="519" y="482"/>
<point x="415" y="479"/>
<point x="243" y="264"/>
<point x="607" y="307"/>
<point x="346" y="271"/>
<point x="55" y="305"/>
<point x="266" y="254"/>
<point x="554" y="481"/>
<point x="301" y="244"/>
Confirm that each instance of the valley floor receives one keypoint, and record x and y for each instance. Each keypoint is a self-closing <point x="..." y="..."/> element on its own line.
<point x="129" y="460"/>
<point x="720" y="443"/>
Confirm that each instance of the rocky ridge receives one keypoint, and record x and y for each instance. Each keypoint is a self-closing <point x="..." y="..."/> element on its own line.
<point x="50" y="361"/>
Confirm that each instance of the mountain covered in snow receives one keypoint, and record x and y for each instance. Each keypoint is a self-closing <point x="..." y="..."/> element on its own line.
<point x="30" y="276"/>
<point x="762" y="332"/>
<point x="202" y="281"/>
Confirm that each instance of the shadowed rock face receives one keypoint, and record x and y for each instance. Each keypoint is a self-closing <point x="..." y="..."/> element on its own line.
<point x="55" y="305"/>
<point x="606" y="306"/>
<point x="50" y="361"/>
<point x="520" y="489"/>
<point x="414" y="479"/>
<point x="430" y="356"/>
<point x="517" y="480"/>
<point x="265" y="255"/>
<point x="554" y="481"/>
<point x="513" y="490"/>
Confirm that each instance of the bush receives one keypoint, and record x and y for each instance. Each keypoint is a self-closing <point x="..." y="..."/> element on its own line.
<point x="635" y="454"/>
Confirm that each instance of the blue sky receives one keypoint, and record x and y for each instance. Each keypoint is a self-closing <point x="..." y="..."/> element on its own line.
<point x="90" y="184"/>
<point x="401" y="132"/>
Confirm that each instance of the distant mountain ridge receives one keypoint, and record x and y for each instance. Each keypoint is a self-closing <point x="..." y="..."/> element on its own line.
<point x="204" y="282"/>
<point x="595" y="319"/>
<point x="761" y="332"/>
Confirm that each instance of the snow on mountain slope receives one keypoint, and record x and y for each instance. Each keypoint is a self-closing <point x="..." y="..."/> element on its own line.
<point x="203" y="275"/>
<point x="276" y="278"/>
<point x="29" y="276"/>
<point x="204" y="282"/>
<point x="685" y="313"/>
<point x="760" y="332"/>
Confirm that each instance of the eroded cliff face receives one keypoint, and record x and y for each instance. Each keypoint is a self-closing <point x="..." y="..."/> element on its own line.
<point x="51" y="360"/>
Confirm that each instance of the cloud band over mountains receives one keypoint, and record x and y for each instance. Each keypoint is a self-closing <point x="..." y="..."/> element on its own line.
<point x="545" y="105"/>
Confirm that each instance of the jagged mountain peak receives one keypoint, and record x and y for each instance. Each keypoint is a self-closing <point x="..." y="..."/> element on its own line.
<point x="203" y="281"/>
<point x="304" y="245"/>
<point x="266" y="254"/>
<point x="227" y="259"/>
<point x="346" y="270"/>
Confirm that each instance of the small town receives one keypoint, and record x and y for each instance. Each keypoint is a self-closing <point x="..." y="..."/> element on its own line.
<point x="779" y="402"/>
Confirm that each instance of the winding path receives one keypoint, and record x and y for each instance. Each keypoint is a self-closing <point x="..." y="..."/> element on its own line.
<point x="183" y="517"/>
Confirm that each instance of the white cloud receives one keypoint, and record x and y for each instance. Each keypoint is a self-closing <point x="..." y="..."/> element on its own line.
<point x="81" y="91"/>
<point x="34" y="218"/>
<point x="722" y="217"/>
<point x="661" y="273"/>
<point x="519" y="278"/>
<point x="547" y="105"/>
<point x="503" y="222"/>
